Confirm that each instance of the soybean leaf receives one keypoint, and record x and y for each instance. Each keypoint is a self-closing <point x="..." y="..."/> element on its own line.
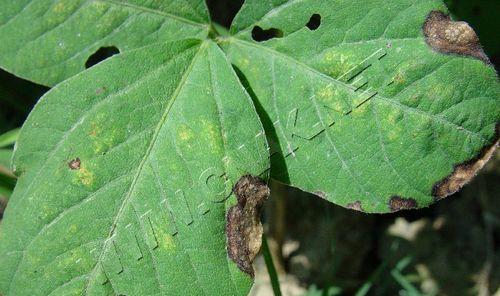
<point x="125" y="173"/>
<point x="48" y="41"/>
<point x="373" y="105"/>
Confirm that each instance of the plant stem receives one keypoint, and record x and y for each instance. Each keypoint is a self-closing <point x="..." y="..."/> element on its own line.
<point x="270" y="266"/>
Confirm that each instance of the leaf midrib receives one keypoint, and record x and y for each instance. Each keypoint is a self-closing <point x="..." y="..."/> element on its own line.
<point x="143" y="162"/>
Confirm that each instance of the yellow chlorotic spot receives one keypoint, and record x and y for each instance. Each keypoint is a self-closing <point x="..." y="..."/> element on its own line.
<point x="103" y="142"/>
<point x="244" y="62"/>
<point x="326" y="92"/>
<point x="360" y="111"/>
<point x="212" y="133"/>
<point x="73" y="228"/>
<point x="167" y="242"/>
<point x="394" y="134"/>
<point x="59" y="7"/>
<point x="329" y="56"/>
<point x="85" y="176"/>
<point x="185" y="134"/>
<point x="95" y="130"/>
<point x="399" y="78"/>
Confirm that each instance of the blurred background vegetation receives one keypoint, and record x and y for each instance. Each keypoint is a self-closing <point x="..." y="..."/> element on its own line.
<point x="319" y="248"/>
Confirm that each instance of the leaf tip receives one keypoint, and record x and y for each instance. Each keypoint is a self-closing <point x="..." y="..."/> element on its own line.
<point x="463" y="173"/>
<point x="452" y="37"/>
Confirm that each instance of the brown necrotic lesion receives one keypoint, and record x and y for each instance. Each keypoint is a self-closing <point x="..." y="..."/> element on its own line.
<point x="464" y="173"/>
<point x="243" y="227"/>
<point x="450" y="37"/>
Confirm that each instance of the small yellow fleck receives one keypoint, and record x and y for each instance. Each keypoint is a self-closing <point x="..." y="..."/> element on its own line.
<point x="326" y="92"/>
<point x="167" y="242"/>
<point x="185" y="134"/>
<point x="244" y="62"/>
<point x="59" y="7"/>
<point x="85" y="176"/>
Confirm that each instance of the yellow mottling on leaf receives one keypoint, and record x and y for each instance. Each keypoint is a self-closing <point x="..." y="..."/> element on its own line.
<point x="211" y="132"/>
<point x="244" y="62"/>
<point x="185" y="134"/>
<point x="85" y="176"/>
<point x="326" y="92"/>
<point x="399" y="78"/>
<point x="360" y="111"/>
<point x="167" y="242"/>
<point x="103" y="140"/>
<point x="73" y="228"/>
<point x="95" y="130"/>
<point x="59" y="7"/>
<point x="395" y="133"/>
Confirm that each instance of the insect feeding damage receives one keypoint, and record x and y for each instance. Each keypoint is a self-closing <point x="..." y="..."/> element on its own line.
<point x="447" y="36"/>
<point x="243" y="227"/>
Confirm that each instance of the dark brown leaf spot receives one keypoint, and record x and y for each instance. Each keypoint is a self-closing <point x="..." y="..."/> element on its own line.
<point x="450" y="37"/>
<point x="243" y="227"/>
<point x="355" y="206"/>
<point x="397" y="203"/>
<point x="464" y="172"/>
<point x="75" y="164"/>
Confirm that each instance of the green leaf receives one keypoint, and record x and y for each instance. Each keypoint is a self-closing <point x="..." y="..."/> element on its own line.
<point x="9" y="138"/>
<point x="126" y="171"/>
<point x="358" y="107"/>
<point x="48" y="41"/>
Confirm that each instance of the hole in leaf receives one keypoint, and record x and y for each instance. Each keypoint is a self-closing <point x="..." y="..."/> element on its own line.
<point x="100" y="55"/>
<point x="314" y="22"/>
<point x="259" y="34"/>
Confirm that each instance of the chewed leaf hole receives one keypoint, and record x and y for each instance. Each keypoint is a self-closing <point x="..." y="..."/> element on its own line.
<point x="314" y="22"/>
<point x="259" y="34"/>
<point x="101" y="54"/>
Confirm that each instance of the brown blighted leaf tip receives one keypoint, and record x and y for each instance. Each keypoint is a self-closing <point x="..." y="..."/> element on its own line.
<point x="397" y="203"/>
<point x="463" y="173"/>
<point x="243" y="227"/>
<point x="74" y="164"/>
<point x="450" y="37"/>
